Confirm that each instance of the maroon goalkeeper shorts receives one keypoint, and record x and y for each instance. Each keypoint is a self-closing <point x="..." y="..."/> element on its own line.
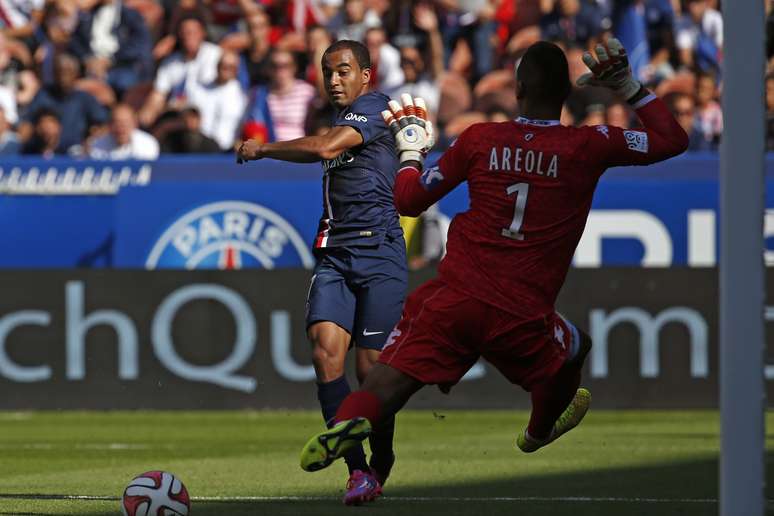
<point x="443" y="332"/>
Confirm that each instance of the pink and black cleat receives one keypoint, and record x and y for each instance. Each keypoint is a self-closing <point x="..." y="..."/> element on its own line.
<point x="362" y="488"/>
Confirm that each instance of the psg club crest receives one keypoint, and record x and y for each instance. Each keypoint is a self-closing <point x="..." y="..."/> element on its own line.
<point x="229" y="235"/>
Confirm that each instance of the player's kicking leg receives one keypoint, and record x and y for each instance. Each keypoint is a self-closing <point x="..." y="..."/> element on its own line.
<point x="384" y="392"/>
<point x="330" y="343"/>
<point x="558" y="404"/>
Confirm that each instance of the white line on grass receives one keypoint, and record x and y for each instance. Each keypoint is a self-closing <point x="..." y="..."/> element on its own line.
<point x="244" y="499"/>
<point x="457" y="499"/>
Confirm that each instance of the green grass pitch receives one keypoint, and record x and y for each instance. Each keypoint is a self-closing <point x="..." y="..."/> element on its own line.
<point x="622" y="463"/>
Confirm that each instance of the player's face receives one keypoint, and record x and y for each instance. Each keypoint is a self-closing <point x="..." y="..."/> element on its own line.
<point x="344" y="79"/>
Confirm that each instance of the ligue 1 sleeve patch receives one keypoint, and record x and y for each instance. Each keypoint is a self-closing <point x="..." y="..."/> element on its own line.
<point x="636" y="141"/>
<point x="431" y="177"/>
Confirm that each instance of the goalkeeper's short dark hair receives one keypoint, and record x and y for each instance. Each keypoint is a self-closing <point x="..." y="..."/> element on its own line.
<point x="359" y="50"/>
<point x="544" y="72"/>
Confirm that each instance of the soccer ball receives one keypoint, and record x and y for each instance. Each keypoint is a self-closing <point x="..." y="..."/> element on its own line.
<point x="156" y="493"/>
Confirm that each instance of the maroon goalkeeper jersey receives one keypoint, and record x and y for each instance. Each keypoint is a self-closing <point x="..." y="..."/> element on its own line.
<point x="531" y="184"/>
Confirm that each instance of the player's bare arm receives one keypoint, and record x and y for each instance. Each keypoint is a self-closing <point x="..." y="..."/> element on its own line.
<point x="346" y="77"/>
<point x="302" y="150"/>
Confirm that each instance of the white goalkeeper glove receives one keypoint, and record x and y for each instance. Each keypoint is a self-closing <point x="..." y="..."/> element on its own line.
<point x="413" y="132"/>
<point x="610" y="70"/>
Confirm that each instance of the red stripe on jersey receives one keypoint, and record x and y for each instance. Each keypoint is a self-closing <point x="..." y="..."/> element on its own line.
<point x="322" y="236"/>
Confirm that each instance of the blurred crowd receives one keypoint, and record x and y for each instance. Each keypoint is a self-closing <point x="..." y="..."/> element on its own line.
<point x="118" y="79"/>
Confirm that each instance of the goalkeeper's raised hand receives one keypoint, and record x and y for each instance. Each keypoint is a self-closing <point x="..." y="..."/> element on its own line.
<point x="610" y="69"/>
<point x="413" y="132"/>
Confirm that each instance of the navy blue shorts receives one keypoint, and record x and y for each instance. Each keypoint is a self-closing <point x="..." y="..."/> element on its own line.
<point x="361" y="289"/>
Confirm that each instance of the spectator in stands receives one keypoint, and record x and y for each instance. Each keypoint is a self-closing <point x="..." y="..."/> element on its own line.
<point x="417" y="81"/>
<point x="618" y="114"/>
<point x="54" y="36"/>
<point x="573" y="21"/>
<point x="770" y="32"/>
<point x="124" y="140"/>
<point x="197" y="60"/>
<point x="113" y="42"/>
<point x="321" y="113"/>
<point x="284" y="105"/>
<point x="317" y="40"/>
<point x="353" y="21"/>
<point x="9" y="142"/>
<point x="225" y="15"/>
<point x="472" y="21"/>
<point x="699" y="36"/>
<point x="708" y="111"/>
<point x="519" y="25"/>
<point x="770" y="111"/>
<point x="10" y="64"/>
<point x="660" y="20"/>
<point x="46" y="140"/>
<point x="8" y="105"/>
<point x="294" y="17"/>
<point x="183" y="135"/>
<point x="174" y="12"/>
<point x="255" y="65"/>
<point x="20" y="18"/>
<point x="421" y="80"/>
<point x="77" y="110"/>
<point x="683" y="108"/>
<point x="221" y="103"/>
<point x="386" y="72"/>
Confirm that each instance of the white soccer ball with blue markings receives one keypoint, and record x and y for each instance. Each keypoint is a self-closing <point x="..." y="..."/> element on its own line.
<point x="156" y="493"/>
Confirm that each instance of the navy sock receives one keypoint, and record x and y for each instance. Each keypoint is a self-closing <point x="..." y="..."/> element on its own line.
<point x="382" y="455"/>
<point x="331" y="394"/>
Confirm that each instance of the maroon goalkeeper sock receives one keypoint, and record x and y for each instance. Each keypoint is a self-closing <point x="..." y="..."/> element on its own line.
<point x="360" y="404"/>
<point x="550" y="398"/>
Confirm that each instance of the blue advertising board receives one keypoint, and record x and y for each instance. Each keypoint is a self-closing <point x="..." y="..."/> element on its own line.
<point x="208" y="212"/>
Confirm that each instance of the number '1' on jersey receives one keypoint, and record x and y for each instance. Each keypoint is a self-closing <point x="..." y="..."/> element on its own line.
<point x="531" y="184"/>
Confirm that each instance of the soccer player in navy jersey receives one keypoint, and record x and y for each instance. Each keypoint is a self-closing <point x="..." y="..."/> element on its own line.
<point x="531" y="183"/>
<point x="360" y="278"/>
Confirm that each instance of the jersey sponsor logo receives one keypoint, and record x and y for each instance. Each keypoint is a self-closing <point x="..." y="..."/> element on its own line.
<point x="356" y="117"/>
<point x="431" y="177"/>
<point x="229" y="235"/>
<point x="636" y="141"/>
<point x="602" y="129"/>
<point x="342" y="159"/>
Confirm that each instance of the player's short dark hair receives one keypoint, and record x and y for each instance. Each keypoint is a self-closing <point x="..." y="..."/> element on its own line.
<point x="359" y="50"/>
<point x="544" y="72"/>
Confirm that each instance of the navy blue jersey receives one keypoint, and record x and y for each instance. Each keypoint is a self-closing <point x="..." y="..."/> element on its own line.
<point x="358" y="207"/>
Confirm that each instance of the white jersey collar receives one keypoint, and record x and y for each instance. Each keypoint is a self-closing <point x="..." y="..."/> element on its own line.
<point x="535" y="121"/>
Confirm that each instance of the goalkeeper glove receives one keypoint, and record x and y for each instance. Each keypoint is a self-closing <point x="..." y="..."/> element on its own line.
<point x="610" y="70"/>
<point x="413" y="132"/>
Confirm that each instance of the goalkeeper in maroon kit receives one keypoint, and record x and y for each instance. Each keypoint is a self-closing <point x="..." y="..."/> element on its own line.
<point x="531" y="183"/>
